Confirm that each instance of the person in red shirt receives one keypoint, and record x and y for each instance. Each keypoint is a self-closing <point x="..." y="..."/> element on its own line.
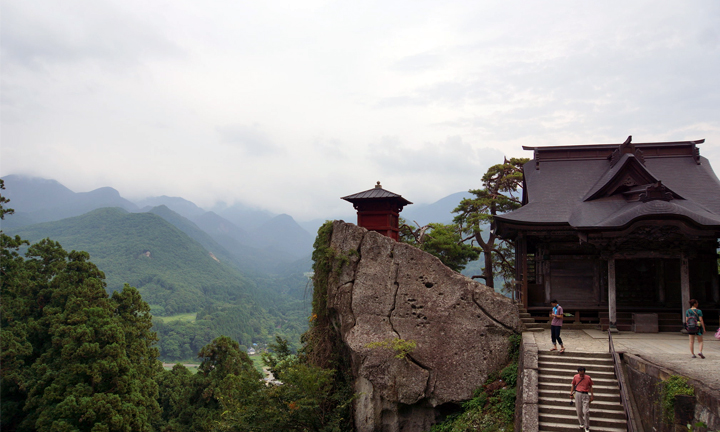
<point x="582" y="391"/>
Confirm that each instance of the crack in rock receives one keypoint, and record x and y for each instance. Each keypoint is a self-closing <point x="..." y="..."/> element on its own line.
<point x="490" y="316"/>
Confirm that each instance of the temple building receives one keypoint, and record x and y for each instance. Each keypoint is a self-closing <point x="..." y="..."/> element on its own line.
<point x="616" y="230"/>
<point x="379" y="210"/>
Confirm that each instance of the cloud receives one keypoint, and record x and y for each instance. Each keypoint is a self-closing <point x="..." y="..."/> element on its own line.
<point x="251" y="139"/>
<point x="432" y="169"/>
<point x="36" y="33"/>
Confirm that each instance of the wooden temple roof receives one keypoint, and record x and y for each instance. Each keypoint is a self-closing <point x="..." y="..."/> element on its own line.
<point x="376" y="193"/>
<point x="609" y="186"/>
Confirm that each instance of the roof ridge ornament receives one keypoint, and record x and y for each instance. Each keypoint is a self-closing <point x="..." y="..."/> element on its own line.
<point x="626" y="147"/>
<point x="656" y="191"/>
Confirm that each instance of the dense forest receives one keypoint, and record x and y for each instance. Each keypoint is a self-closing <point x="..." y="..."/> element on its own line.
<point x="75" y="358"/>
<point x="195" y="295"/>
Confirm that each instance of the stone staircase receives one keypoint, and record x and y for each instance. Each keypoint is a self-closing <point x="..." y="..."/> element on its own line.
<point x="555" y="373"/>
<point x="529" y="321"/>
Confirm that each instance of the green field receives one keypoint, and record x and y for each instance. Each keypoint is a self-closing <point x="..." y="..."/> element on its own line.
<point x="184" y="317"/>
<point x="257" y="361"/>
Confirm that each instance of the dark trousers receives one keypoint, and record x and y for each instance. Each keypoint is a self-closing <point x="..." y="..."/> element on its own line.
<point x="555" y="334"/>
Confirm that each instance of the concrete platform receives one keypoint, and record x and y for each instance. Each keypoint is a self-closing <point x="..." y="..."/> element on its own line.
<point x="670" y="350"/>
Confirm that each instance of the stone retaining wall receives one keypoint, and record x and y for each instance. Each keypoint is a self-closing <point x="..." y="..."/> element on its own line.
<point x="526" y="402"/>
<point x="644" y="376"/>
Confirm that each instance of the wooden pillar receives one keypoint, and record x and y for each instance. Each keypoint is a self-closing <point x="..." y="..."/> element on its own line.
<point x="523" y="256"/>
<point x="612" y="305"/>
<point x="661" y="280"/>
<point x="546" y="278"/>
<point x="596" y="281"/>
<point x="715" y="287"/>
<point x="684" y="283"/>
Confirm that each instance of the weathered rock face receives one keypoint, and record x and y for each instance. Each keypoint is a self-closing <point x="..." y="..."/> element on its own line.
<point x="385" y="290"/>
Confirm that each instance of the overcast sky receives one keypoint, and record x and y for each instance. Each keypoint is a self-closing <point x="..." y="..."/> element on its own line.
<point x="288" y="106"/>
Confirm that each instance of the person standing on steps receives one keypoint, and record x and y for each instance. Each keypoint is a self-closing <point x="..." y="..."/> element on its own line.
<point x="582" y="391"/>
<point x="556" y="325"/>
<point x="695" y="326"/>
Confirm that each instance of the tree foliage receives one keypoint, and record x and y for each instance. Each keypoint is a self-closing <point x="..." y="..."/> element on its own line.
<point x="444" y="241"/>
<point x="502" y="185"/>
<point x="75" y="359"/>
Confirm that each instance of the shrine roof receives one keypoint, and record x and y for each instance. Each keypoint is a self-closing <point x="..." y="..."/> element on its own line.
<point x="376" y="193"/>
<point x="609" y="186"/>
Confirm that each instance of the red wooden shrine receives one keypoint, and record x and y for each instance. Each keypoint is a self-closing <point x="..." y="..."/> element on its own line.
<point x="379" y="210"/>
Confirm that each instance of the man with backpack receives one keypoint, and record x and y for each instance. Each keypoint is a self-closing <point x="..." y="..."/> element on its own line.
<point x="582" y="393"/>
<point x="695" y="326"/>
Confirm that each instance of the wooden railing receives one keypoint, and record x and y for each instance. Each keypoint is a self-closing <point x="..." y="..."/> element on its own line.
<point x="624" y="395"/>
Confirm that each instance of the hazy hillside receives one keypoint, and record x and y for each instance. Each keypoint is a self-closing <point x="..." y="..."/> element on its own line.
<point x="40" y="200"/>
<point x="179" y="205"/>
<point x="282" y="233"/>
<point x="242" y="215"/>
<point x="439" y="211"/>
<point x="174" y="273"/>
<point x="195" y="233"/>
<point x="177" y="275"/>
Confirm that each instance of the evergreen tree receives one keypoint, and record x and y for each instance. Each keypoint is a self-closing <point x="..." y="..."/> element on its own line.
<point x="444" y="241"/>
<point x="73" y="359"/>
<point x="501" y="184"/>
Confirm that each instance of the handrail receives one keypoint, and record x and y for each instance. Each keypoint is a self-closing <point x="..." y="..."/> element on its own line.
<point x="624" y="396"/>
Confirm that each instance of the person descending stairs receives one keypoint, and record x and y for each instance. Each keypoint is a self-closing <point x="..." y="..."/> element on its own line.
<point x="555" y="373"/>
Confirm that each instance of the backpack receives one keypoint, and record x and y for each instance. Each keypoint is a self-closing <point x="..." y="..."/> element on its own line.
<point x="692" y="323"/>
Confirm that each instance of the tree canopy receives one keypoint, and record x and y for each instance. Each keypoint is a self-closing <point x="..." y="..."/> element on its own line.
<point x="73" y="358"/>
<point x="445" y="241"/>
<point x="501" y="193"/>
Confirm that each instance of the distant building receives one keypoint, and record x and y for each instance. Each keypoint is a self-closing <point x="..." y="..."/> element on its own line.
<point x="614" y="229"/>
<point x="379" y="210"/>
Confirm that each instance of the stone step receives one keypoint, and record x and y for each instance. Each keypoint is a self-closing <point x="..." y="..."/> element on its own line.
<point x="572" y="365"/>
<point x="562" y="389"/>
<point x="576" y="354"/>
<point x="605" y="395"/>
<point x="525" y="315"/>
<point x="548" y="426"/>
<point x="527" y="320"/>
<point x="573" y="356"/>
<point x="595" y="421"/>
<point x="544" y="377"/>
<point x="595" y="410"/>
<point x="533" y="329"/>
<point x="594" y="373"/>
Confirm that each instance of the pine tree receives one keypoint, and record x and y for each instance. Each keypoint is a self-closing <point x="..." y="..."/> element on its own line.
<point x="73" y="358"/>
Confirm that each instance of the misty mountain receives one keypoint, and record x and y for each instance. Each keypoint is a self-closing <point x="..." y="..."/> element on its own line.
<point x="173" y="272"/>
<point x="437" y="212"/>
<point x="176" y="275"/>
<point x="179" y="205"/>
<point x="242" y="215"/>
<point x="38" y="200"/>
<point x="283" y="234"/>
<point x="263" y="241"/>
<point x="220" y="228"/>
<point x="195" y="233"/>
<point x="250" y="259"/>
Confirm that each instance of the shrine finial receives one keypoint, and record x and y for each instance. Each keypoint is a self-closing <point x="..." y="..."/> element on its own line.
<point x="378" y="185"/>
<point x="626" y="148"/>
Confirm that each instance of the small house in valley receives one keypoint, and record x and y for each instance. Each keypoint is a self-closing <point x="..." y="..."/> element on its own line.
<point x="612" y="230"/>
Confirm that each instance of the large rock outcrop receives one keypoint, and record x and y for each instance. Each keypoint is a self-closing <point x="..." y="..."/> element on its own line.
<point x="381" y="290"/>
